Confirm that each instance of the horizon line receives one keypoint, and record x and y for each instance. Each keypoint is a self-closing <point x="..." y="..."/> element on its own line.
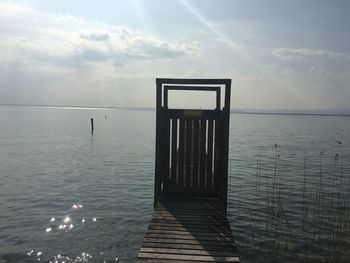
<point x="306" y="112"/>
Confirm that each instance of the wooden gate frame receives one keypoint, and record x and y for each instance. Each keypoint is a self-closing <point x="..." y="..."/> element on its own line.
<point x="162" y="87"/>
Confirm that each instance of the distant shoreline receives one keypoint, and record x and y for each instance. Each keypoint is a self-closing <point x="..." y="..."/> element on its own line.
<point x="233" y="111"/>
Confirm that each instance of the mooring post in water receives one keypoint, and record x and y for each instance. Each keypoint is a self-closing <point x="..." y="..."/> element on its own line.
<point x="92" y="125"/>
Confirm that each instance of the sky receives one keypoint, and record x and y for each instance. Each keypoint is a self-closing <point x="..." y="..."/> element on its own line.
<point x="279" y="54"/>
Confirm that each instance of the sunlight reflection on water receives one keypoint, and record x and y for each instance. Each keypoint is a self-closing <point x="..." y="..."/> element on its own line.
<point x="51" y="167"/>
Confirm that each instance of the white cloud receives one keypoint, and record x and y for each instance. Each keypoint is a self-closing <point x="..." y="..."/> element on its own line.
<point x="11" y="10"/>
<point x="62" y="59"/>
<point x="96" y="36"/>
<point x="69" y="41"/>
<point x="303" y="53"/>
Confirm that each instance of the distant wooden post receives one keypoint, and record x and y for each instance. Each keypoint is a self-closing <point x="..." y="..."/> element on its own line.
<point x="92" y="125"/>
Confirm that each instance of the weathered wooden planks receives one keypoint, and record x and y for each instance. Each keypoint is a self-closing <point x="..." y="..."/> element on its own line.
<point x="188" y="230"/>
<point x="192" y="161"/>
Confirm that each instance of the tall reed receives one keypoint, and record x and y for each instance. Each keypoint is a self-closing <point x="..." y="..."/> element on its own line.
<point x="300" y="208"/>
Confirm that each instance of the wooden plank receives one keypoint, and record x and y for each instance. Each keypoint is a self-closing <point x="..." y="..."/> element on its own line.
<point x="191" y="204"/>
<point x="166" y="171"/>
<point x="165" y="97"/>
<point x="208" y="217"/>
<point x="193" y="228"/>
<point x="202" y="205"/>
<point x="190" y="213"/>
<point x="196" y="114"/>
<point x="189" y="219"/>
<point x="188" y="257"/>
<point x="190" y="246"/>
<point x="218" y="98"/>
<point x="194" y="88"/>
<point x="194" y="233"/>
<point x="181" y="153"/>
<point x="190" y="227"/>
<point x="202" y="154"/>
<point x="225" y="243"/>
<point x="193" y="81"/>
<point x="190" y="234"/>
<point x="195" y="153"/>
<point x="225" y="143"/>
<point x="199" y="209"/>
<point x="157" y="181"/>
<point x="188" y="252"/>
<point x="174" y="151"/>
<point x="188" y="153"/>
<point x="189" y="223"/>
<point x="153" y="260"/>
<point x="193" y="221"/>
<point x="210" y="155"/>
<point x="189" y="237"/>
<point x="178" y="200"/>
<point x="216" y="152"/>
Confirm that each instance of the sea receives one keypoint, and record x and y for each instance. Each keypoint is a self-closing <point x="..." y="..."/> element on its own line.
<point x="69" y="195"/>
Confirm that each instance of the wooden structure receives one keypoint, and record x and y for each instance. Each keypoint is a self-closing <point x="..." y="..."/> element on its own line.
<point x="191" y="176"/>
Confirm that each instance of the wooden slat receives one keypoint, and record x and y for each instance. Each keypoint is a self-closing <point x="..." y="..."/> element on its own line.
<point x="193" y="229"/>
<point x="189" y="252"/>
<point x="201" y="235"/>
<point x="227" y="244"/>
<point x="181" y="152"/>
<point x="198" y="88"/>
<point x="188" y="223"/>
<point x="188" y="153"/>
<point x="167" y="148"/>
<point x="152" y="260"/>
<point x="158" y="172"/>
<point x="188" y="257"/>
<point x="216" y="153"/>
<point x="188" y="237"/>
<point x="161" y="81"/>
<point x="192" y="234"/>
<point x="187" y="220"/>
<point x="189" y="246"/>
<point x="189" y="212"/>
<point x="210" y="155"/>
<point x="197" y="114"/>
<point x="198" y="206"/>
<point x="195" y="153"/>
<point x="202" y="154"/>
<point x="218" y="98"/>
<point x="183" y="217"/>
<point x="174" y="150"/>
<point x="165" y="97"/>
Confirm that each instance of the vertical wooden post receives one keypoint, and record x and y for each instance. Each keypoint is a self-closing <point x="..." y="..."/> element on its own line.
<point x="159" y="136"/>
<point x="218" y="98"/>
<point x="225" y="142"/>
<point x="92" y="125"/>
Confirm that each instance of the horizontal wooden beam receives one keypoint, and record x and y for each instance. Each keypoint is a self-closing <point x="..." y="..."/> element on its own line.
<point x="195" y="88"/>
<point x="194" y="81"/>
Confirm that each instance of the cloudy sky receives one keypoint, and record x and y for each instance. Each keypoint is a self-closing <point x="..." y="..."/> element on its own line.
<point x="279" y="54"/>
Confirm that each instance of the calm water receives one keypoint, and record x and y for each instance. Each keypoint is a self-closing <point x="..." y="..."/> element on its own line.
<point x="68" y="195"/>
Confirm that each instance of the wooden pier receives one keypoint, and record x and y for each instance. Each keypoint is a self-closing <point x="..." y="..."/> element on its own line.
<point x="189" y="222"/>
